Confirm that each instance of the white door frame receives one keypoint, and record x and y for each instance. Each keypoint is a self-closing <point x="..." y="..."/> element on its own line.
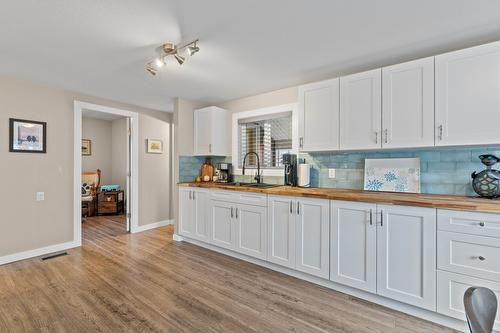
<point x="134" y="174"/>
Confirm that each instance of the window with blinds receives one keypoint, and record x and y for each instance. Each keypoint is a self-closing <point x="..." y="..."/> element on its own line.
<point x="268" y="136"/>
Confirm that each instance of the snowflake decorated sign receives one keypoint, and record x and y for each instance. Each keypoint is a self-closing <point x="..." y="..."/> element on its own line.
<point x="392" y="175"/>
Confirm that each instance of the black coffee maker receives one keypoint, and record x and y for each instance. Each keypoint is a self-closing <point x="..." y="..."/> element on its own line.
<point x="290" y="163"/>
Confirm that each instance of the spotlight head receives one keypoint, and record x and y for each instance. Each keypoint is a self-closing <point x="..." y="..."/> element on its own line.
<point x="151" y="70"/>
<point x="193" y="49"/>
<point x="180" y="59"/>
<point x="159" y="62"/>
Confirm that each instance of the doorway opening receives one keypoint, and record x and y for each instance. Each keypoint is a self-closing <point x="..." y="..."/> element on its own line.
<point x="105" y="169"/>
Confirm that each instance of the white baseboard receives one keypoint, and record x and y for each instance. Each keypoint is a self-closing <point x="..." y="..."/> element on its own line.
<point x="150" y="226"/>
<point x="38" y="252"/>
<point x="177" y="238"/>
<point x="432" y="316"/>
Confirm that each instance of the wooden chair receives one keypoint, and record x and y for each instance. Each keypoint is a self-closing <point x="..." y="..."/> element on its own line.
<point x="481" y="309"/>
<point x="89" y="198"/>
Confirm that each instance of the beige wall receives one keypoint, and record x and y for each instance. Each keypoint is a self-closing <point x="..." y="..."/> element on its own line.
<point x="25" y="223"/>
<point x="99" y="132"/>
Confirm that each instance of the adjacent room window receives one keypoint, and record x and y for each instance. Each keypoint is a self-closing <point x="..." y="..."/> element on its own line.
<point x="270" y="136"/>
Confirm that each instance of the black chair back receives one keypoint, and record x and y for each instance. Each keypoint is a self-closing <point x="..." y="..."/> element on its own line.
<point x="481" y="309"/>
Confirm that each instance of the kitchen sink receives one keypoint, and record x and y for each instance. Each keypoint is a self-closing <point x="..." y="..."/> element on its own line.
<point x="258" y="185"/>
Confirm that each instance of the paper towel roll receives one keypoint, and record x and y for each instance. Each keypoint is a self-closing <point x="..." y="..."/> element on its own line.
<point x="304" y="174"/>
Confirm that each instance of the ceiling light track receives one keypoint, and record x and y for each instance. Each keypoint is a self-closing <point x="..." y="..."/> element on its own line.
<point x="171" y="50"/>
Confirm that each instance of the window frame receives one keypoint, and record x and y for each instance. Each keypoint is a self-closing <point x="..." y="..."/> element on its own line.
<point x="263" y="112"/>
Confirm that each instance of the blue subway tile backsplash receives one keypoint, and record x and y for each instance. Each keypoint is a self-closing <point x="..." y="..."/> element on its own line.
<point x="443" y="170"/>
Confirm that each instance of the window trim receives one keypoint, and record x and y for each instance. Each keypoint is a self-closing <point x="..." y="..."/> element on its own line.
<point x="263" y="112"/>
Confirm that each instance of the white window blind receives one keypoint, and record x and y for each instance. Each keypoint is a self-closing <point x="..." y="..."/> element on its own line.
<point x="268" y="136"/>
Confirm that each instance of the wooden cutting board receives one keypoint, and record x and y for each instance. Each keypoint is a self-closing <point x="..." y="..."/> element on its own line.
<point x="207" y="169"/>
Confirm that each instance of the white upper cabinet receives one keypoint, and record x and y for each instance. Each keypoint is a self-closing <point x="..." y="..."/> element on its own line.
<point x="319" y="116"/>
<point x="406" y="255"/>
<point x="353" y="257"/>
<point x="211" y="132"/>
<point x="408" y="104"/>
<point x="468" y="96"/>
<point x="361" y="110"/>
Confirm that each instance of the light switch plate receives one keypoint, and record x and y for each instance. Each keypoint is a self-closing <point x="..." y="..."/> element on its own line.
<point x="40" y="196"/>
<point x="331" y="173"/>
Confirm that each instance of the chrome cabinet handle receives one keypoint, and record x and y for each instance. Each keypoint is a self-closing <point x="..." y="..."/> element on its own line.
<point x="232" y="215"/>
<point x="236" y="212"/>
<point x="440" y="132"/>
<point x="371" y="216"/>
<point x="481" y="258"/>
<point x="209" y="147"/>
<point x="194" y="195"/>
<point x="301" y="142"/>
<point x="386" y="132"/>
<point x="298" y="207"/>
<point x="481" y="224"/>
<point x="376" y="136"/>
<point x="381" y="218"/>
<point x="190" y="195"/>
<point x="291" y="207"/>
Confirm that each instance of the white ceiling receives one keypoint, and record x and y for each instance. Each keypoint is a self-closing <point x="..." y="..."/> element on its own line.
<point x="99" y="47"/>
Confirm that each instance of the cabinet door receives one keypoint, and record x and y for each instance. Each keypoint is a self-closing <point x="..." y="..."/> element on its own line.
<point x="361" y="110"/>
<point x="202" y="132"/>
<point x="186" y="212"/>
<point x="467" y="96"/>
<point x="319" y="116"/>
<point x="406" y="255"/>
<point x="201" y="214"/>
<point x="251" y="230"/>
<point x="222" y="224"/>
<point x="312" y="237"/>
<point x="408" y="104"/>
<point x="281" y="225"/>
<point x="353" y="243"/>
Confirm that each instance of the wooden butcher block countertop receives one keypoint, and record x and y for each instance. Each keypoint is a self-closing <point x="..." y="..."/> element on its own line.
<point x="454" y="202"/>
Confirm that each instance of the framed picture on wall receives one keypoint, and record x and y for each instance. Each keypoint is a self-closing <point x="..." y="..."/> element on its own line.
<point x="154" y="146"/>
<point x="86" y="147"/>
<point x="27" y="136"/>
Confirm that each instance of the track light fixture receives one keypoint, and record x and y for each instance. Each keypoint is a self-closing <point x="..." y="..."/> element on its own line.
<point x="170" y="49"/>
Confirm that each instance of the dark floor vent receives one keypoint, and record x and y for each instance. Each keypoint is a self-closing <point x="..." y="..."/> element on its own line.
<point x="55" y="255"/>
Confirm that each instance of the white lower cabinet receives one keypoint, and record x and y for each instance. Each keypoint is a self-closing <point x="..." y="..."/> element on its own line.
<point x="299" y="234"/>
<point x="194" y="213"/>
<point x="353" y="258"/>
<point x="222" y="225"/>
<point x="251" y="230"/>
<point x="450" y="293"/>
<point x="390" y="250"/>
<point x="406" y="255"/>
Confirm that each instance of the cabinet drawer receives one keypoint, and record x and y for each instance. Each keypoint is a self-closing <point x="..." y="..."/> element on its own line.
<point x="450" y="294"/>
<point x="246" y="198"/>
<point x="469" y="254"/>
<point x="469" y="223"/>
<point x="107" y="207"/>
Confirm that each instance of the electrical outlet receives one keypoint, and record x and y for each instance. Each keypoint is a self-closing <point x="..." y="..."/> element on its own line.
<point x="40" y="196"/>
<point x="331" y="173"/>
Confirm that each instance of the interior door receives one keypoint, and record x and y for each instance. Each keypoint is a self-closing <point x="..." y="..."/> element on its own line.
<point x="361" y="110"/>
<point x="408" y="104"/>
<point x="353" y="258"/>
<point x="406" y="255"/>
<point x="251" y="230"/>
<point x="312" y="237"/>
<point x="129" y="174"/>
<point x="281" y="224"/>
<point x="222" y="223"/>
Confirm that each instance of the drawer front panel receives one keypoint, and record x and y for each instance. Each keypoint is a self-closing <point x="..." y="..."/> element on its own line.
<point x="246" y="198"/>
<point x="468" y="254"/>
<point x="482" y="224"/>
<point x="450" y="294"/>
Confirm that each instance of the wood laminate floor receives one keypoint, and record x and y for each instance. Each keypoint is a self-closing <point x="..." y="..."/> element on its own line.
<point x="146" y="282"/>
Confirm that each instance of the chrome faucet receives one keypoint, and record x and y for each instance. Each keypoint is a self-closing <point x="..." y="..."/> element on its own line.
<point x="258" y="178"/>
